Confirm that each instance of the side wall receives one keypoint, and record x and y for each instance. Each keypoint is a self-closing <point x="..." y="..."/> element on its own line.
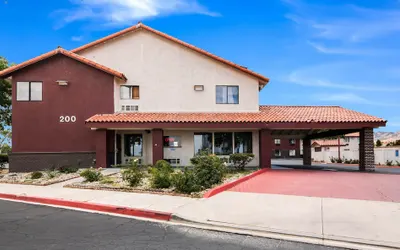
<point x="166" y="74"/>
<point x="36" y="127"/>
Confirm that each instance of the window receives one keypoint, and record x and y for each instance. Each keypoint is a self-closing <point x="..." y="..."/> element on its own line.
<point x="29" y="91"/>
<point x="397" y="153"/>
<point x="223" y="144"/>
<point x="244" y="142"/>
<point x="202" y="142"/>
<point x="347" y="139"/>
<point x="173" y="161"/>
<point x="133" y="145"/>
<point x="292" y="152"/>
<point x="130" y="108"/>
<point x="227" y="94"/>
<point x="129" y="92"/>
<point x="277" y="142"/>
<point x="292" y="141"/>
<point x="172" y="141"/>
<point x="277" y="153"/>
<point x="318" y="149"/>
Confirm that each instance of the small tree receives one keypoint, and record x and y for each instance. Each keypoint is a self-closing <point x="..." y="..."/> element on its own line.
<point x="378" y="143"/>
<point x="241" y="160"/>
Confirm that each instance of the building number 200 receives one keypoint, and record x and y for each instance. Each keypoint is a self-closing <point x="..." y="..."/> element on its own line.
<point x="66" y="119"/>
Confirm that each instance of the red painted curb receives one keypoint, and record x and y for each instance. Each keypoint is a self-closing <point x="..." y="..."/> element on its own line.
<point x="92" y="206"/>
<point x="230" y="185"/>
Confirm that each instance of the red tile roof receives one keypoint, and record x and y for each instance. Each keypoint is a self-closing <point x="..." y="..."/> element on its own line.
<point x="263" y="80"/>
<point x="328" y="143"/>
<point x="267" y="114"/>
<point x="64" y="52"/>
<point x="356" y="134"/>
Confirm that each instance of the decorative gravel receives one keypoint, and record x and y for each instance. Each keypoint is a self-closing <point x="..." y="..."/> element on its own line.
<point x="25" y="178"/>
<point x="116" y="183"/>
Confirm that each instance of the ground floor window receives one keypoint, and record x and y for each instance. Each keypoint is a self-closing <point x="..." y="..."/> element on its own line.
<point x="292" y="152"/>
<point x="133" y="145"/>
<point x="277" y="153"/>
<point x="317" y="149"/>
<point x="172" y="142"/>
<point x="223" y="143"/>
<point x="202" y="142"/>
<point x="243" y="142"/>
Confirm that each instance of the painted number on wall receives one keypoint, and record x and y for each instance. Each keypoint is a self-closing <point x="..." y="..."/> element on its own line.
<point x="67" y="119"/>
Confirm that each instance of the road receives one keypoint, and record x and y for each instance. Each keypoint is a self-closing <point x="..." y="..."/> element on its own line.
<point x="26" y="226"/>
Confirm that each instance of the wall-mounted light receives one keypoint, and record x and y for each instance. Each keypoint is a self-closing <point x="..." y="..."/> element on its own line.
<point x="62" y="82"/>
<point x="198" y="87"/>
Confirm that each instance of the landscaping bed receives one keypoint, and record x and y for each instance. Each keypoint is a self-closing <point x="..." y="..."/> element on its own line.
<point x="40" y="178"/>
<point x="116" y="183"/>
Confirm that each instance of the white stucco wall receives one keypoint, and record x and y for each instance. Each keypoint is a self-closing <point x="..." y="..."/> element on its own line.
<point x="167" y="72"/>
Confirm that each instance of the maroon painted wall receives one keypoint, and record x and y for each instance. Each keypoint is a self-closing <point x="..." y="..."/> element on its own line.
<point x="285" y="147"/>
<point x="36" y="126"/>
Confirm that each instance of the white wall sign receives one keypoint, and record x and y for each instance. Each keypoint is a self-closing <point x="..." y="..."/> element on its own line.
<point x="67" y="119"/>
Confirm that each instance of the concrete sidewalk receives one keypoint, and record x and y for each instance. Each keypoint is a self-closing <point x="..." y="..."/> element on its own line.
<point x="310" y="219"/>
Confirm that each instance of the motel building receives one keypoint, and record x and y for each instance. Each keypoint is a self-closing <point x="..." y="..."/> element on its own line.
<point x="140" y="93"/>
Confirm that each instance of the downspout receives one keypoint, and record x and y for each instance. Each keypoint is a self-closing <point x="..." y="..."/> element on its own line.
<point x="339" y="148"/>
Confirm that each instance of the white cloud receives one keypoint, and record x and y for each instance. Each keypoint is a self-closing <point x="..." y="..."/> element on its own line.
<point x="323" y="49"/>
<point x="351" y="98"/>
<point x="77" y="38"/>
<point x="123" y="12"/>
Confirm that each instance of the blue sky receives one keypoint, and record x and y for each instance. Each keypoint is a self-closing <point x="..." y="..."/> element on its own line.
<point x="316" y="52"/>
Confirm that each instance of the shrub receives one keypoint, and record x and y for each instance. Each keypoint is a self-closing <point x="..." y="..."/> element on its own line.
<point x="333" y="159"/>
<point x="161" y="174"/>
<point x="208" y="170"/>
<point x="3" y="160"/>
<point x="378" y="143"/>
<point x="36" y="175"/>
<point x="398" y="163"/>
<point x="389" y="163"/>
<point x="91" y="175"/>
<point x="185" y="182"/>
<point x="133" y="175"/>
<point x="68" y="169"/>
<point x="51" y="173"/>
<point x="354" y="161"/>
<point x="339" y="160"/>
<point x="347" y="161"/>
<point x="241" y="160"/>
<point x="106" y="180"/>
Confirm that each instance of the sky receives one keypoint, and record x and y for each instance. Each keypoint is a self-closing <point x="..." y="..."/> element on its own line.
<point x="315" y="52"/>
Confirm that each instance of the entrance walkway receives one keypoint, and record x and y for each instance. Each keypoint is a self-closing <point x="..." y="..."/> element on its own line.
<point x="360" y="186"/>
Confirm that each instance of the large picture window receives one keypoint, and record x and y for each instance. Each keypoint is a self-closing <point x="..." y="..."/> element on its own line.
<point x="227" y="94"/>
<point x="202" y="142"/>
<point x="243" y="142"/>
<point x="29" y="91"/>
<point x="172" y="142"/>
<point x="133" y="145"/>
<point x="223" y="143"/>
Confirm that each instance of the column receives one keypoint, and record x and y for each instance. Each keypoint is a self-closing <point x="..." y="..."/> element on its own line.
<point x="101" y="148"/>
<point x="367" y="155"/>
<point x="158" y="145"/>
<point x="307" y="152"/>
<point x="265" y="140"/>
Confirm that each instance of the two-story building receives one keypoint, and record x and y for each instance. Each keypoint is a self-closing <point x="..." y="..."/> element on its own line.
<point x="140" y="93"/>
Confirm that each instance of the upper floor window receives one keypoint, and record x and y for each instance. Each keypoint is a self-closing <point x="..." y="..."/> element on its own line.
<point x="277" y="142"/>
<point x="227" y="94"/>
<point x="29" y="91"/>
<point x="129" y="92"/>
<point x="292" y="141"/>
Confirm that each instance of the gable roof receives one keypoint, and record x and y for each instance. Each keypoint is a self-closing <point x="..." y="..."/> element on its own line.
<point x="262" y="79"/>
<point x="267" y="114"/>
<point x="7" y="72"/>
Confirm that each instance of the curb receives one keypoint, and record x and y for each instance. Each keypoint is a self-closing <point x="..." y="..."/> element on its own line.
<point x="92" y="206"/>
<point x="230" y="185"/>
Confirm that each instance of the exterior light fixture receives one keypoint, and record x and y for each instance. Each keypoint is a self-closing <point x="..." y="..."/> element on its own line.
<point x="62" y="82"/>
<point x="198" y="87"/>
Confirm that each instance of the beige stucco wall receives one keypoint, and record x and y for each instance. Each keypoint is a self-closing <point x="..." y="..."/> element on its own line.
<point x="167" y="72"/>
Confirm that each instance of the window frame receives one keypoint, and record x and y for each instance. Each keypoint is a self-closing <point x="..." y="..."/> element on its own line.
<point x="250" y="134"/>
<point x="277" y="144"/>
<point x="277" y="151"/>
<point x="125" y="145"/>
<point x="290" y="142"/>
<point x="231" y="140"/>
<point x="227" y="94"/>
<point x="130" y="87"/>
<point x="291" y="151"/>
<point x="233" y="147"/>
<point x="29" y="91"/>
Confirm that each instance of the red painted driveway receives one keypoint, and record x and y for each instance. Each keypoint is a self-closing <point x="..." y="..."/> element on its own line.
<point x="360" y="186"/>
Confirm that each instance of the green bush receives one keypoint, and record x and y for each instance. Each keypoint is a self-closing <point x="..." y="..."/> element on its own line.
<point x="51" y="173"/>
<point x="133" y="175"/>
<point x="185" y="182"/>
<point x="333" y="159"/>
<point x="354" y="161"/>
<point x="91" y="175"/>
<point x="389" y="163"/>
<point x="208" y="170"/>
<point x="68" y="169"/>
<point x="161" y="174"/>
<point x="36" y="175"/>
<point x="347" y="161"/>
<point x="107" y="180"/>
<point x="339" y="160"/>
<point x="240" y="161"/>
<point x="3" y="160"/>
